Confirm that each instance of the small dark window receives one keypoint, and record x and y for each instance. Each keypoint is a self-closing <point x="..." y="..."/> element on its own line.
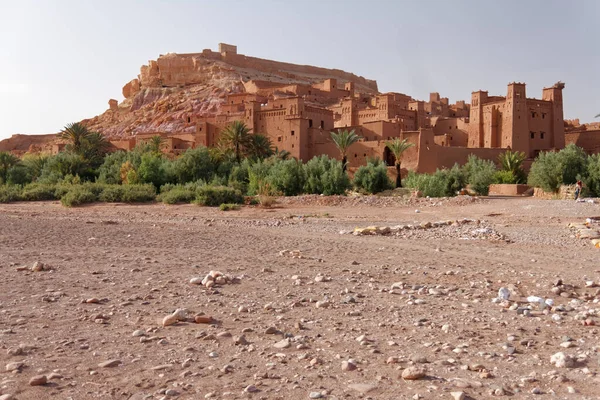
<point x="355" y="155"/>
<point x="543" y="115"/>
<point x="364" y="155"/>
<point x="532" y="135"/>
<point x="279" y="138"/>
<point x="542" y="135"/>
<point x="292" y="145"/>
<point x="231" y="101"/>
<point x="322" y="124"/>
<point x="310" y="123"/>
<point x="293" y="133"/>
<point x="189" y="120"/>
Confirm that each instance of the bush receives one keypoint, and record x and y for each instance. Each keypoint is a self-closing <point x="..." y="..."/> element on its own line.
<point x="78" y="195"/>
<point x="480" y="174"/>
<point x="592" y="179"/>
<point x="39" y="192"/>
<point x="546" y="172"/>
<point x="574" y="164"/>
<point x="57" y="167"/>
<point x="229" y="207"/>
<point x="110" y="170"/>
<point x="152" y="170"/>
<point x="214" y="196"/>
<point x="432" y="185"/>
<point x="18" y="175"/>
<point x="193" y="165"/>
<point x="138" y="193"/>
<point x="111" y="194"/>
<point x="239" y="177"/>
<point x="9" y="193"/>
<point x="372" y="178"/>
<point x="178" y="194"/>
<point x="325" y="176"/>
<point x="505" y="177"/>
<point x="287" y="177"/>
<point x="257" y="176"/>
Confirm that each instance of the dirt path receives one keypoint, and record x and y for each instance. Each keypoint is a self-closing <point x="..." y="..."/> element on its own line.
<point x="137" y="261"/>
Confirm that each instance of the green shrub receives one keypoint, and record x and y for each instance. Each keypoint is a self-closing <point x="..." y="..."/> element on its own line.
<point x="214" y="196"/>
<point x="193" y="165"/>
<point x="9" y="193"/>
<point x="592" y="178"/>
<point x="573" y="160"/>
<point x="39" y="192"/>
<point x="257" y="175"/>
<point x="372" y="178"/>
<point x="57" y="167"/>
<point x="229" y="207"/>
<point x="110" y="170"/>
<point x="152" y="169"/>
<point x="138" y="193"/>
<point x="325" y="176"/>
<point x="78" y="195"/>
<point x="442" y="183"/>
<point x="480" y="174"/>
<point x="505" y="177"/>
<point x="239" y="176"/>
<point x="546" y="172"/>
<point x="287" y="177"/>
<point x="111" y="194"/>
<point x="511" y="161"/>
<point x="176" y="195"/>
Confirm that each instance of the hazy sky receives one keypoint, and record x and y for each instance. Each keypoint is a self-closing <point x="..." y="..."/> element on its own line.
<point x="62" y="60"/>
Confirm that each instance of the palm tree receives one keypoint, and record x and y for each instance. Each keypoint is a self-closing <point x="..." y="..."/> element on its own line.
<point x="156" y="144"/>
<point x="343" y="140"/>
<point x="236" y="136"/>
<point x="513" y="162"/>
<point x="260" y="146"/>
<point x="281" y="154"/>
<point x="93" y="148"/>
<point x="74" y="133"/>
<point x="397" y="147"/>
<point x="7" y="160"/>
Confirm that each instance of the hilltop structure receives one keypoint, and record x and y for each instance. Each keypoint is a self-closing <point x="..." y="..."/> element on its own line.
<point x="189" y="98"/>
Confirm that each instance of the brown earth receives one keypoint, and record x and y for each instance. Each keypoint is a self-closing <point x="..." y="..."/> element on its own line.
<point x="137" y="261"/>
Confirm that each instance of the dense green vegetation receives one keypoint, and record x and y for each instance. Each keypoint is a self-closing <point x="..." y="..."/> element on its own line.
<point x="246" y="164"/>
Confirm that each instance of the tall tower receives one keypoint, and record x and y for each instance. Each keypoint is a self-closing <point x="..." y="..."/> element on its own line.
<point x="554" y="94"/>
<point x="476" y="119"/>
<point x="517" y="124"/>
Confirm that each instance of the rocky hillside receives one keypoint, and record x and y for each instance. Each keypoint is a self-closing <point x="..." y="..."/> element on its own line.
<point x="175" y="87"/>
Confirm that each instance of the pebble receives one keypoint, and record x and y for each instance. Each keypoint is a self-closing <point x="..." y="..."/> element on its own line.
<point x="138" y="333"/>
<point x="348" y="365"/>
<point x="38" y="380"/>
<point x="7" y="397"/>
<point x="171" y="393"/>
<point x="170" y="320"/>
<point x="14" y="366"/>
<point x="282" y="344"/>
<point x="413" y="373"/>
<point x="251" y="389"/>
<point x="458" y="395"/>
<point x="315" y="395"/>
<point x="196" y="281"/>
<point x="109" y="363"/>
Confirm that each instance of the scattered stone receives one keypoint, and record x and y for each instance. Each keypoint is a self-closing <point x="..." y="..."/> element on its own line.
<point x="203" y="319"/>
<point x="348" y="365"/>
<point x="458" y="395"/>
<point x="282" y="344"/>
<point x="14" y="366"/>
<point x="110" y="363"/>
<point x="38" y="380"/>
<point x="413" y="373"/>
<point x="251" y="389"/>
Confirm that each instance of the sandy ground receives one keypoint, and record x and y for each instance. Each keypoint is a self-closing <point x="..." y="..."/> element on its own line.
<point x="326" y="325"/>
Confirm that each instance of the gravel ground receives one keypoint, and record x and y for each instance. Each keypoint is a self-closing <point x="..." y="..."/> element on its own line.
<point x="337" y="316"/>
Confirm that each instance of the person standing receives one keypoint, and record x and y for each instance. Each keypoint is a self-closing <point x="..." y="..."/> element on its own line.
<point x="578" y="188"/>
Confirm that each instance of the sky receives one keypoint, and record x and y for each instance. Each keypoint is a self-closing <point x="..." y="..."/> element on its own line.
<point x="63" y="60"/>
